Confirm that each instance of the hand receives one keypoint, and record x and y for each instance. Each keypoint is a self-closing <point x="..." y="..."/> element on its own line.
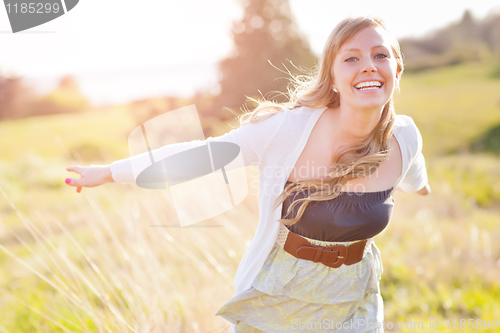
<point x="425" y="190"/>
<point x="91" y="176"/>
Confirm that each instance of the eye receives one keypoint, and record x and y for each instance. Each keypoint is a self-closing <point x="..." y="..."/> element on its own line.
<point x="381" y="55"/>
<point x="350" y="59"/>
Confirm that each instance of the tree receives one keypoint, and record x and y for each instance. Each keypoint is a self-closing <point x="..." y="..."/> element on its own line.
<point x="266" y="33"/>
<point x="66" y="98"/>
<point x="465" y="40"/>
<point x="15" y="97"/>
<point x="18" y="100"/>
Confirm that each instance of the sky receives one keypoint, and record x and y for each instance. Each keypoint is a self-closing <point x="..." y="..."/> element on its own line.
<point x="124" y="50"/>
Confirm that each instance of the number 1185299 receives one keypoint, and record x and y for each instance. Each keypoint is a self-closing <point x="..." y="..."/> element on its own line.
<point x="32" y="8"/>
<point x="477" y="324"/>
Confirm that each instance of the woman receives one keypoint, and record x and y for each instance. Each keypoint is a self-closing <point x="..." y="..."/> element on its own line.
<point x="341" y="150"/>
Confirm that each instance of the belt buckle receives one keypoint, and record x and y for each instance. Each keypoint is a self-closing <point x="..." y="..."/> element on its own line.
<point x="328" y="254"/>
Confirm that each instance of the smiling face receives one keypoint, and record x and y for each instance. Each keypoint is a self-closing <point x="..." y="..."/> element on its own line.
<point x="365" y="70"/>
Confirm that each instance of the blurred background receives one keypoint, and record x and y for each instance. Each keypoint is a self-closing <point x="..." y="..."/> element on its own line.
<point x="73" y="89"/>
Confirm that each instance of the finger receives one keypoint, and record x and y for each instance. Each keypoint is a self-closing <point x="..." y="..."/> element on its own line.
<point x="74" y="168"/>
<point x="73" y="182"/>
<point x="79" y="189"/>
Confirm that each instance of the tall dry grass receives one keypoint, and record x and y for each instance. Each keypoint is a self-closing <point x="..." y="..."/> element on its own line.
<point x="128" y="268"/>
<point x="120" y="262"/>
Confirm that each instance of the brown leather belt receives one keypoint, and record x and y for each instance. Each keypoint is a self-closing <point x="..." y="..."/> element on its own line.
<point x="332" y="256"/>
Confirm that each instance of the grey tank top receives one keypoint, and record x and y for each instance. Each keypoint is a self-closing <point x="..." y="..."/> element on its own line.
<point x="350" y="216"/>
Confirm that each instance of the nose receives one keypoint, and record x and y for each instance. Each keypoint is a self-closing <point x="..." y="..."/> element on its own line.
<point x="368" y="66"/>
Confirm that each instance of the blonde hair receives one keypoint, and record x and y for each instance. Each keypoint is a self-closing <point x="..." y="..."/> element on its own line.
<point x="315" y="91"/>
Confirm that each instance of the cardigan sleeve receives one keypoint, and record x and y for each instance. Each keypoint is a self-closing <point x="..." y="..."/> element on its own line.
<point x="251" y="138"/>
<point x="416" y="176"/>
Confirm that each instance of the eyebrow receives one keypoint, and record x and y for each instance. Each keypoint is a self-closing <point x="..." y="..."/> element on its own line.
<point x="374" y="47"/>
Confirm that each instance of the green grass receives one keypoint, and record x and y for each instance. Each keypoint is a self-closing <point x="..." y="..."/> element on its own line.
<point x="476" y="177"/>
<point x="451" y="106"/>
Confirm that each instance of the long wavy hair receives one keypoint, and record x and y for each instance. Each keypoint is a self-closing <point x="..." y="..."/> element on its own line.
<point x="314" y="90"/>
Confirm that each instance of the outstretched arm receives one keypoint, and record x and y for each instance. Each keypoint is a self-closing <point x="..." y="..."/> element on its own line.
<point x="251" y="138"/>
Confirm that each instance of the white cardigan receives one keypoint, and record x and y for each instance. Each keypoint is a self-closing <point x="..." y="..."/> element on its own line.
<point x="275" y="145"/>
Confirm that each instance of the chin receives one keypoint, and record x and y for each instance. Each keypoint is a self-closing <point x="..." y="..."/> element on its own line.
<point x="371" y="106"/>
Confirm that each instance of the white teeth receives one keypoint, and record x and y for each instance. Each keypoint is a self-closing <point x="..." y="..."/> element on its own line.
<point x="371" y="84"/>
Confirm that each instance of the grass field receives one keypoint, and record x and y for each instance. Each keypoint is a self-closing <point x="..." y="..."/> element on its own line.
<point x="96" y="262"/>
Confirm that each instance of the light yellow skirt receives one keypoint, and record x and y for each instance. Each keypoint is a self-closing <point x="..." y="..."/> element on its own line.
<point x="296" y="295"/>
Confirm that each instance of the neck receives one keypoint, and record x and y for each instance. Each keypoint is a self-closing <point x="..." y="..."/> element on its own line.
<point x="354" y="126"/>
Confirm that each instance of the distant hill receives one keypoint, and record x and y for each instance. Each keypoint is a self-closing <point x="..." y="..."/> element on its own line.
<point x="466" y="40"/>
